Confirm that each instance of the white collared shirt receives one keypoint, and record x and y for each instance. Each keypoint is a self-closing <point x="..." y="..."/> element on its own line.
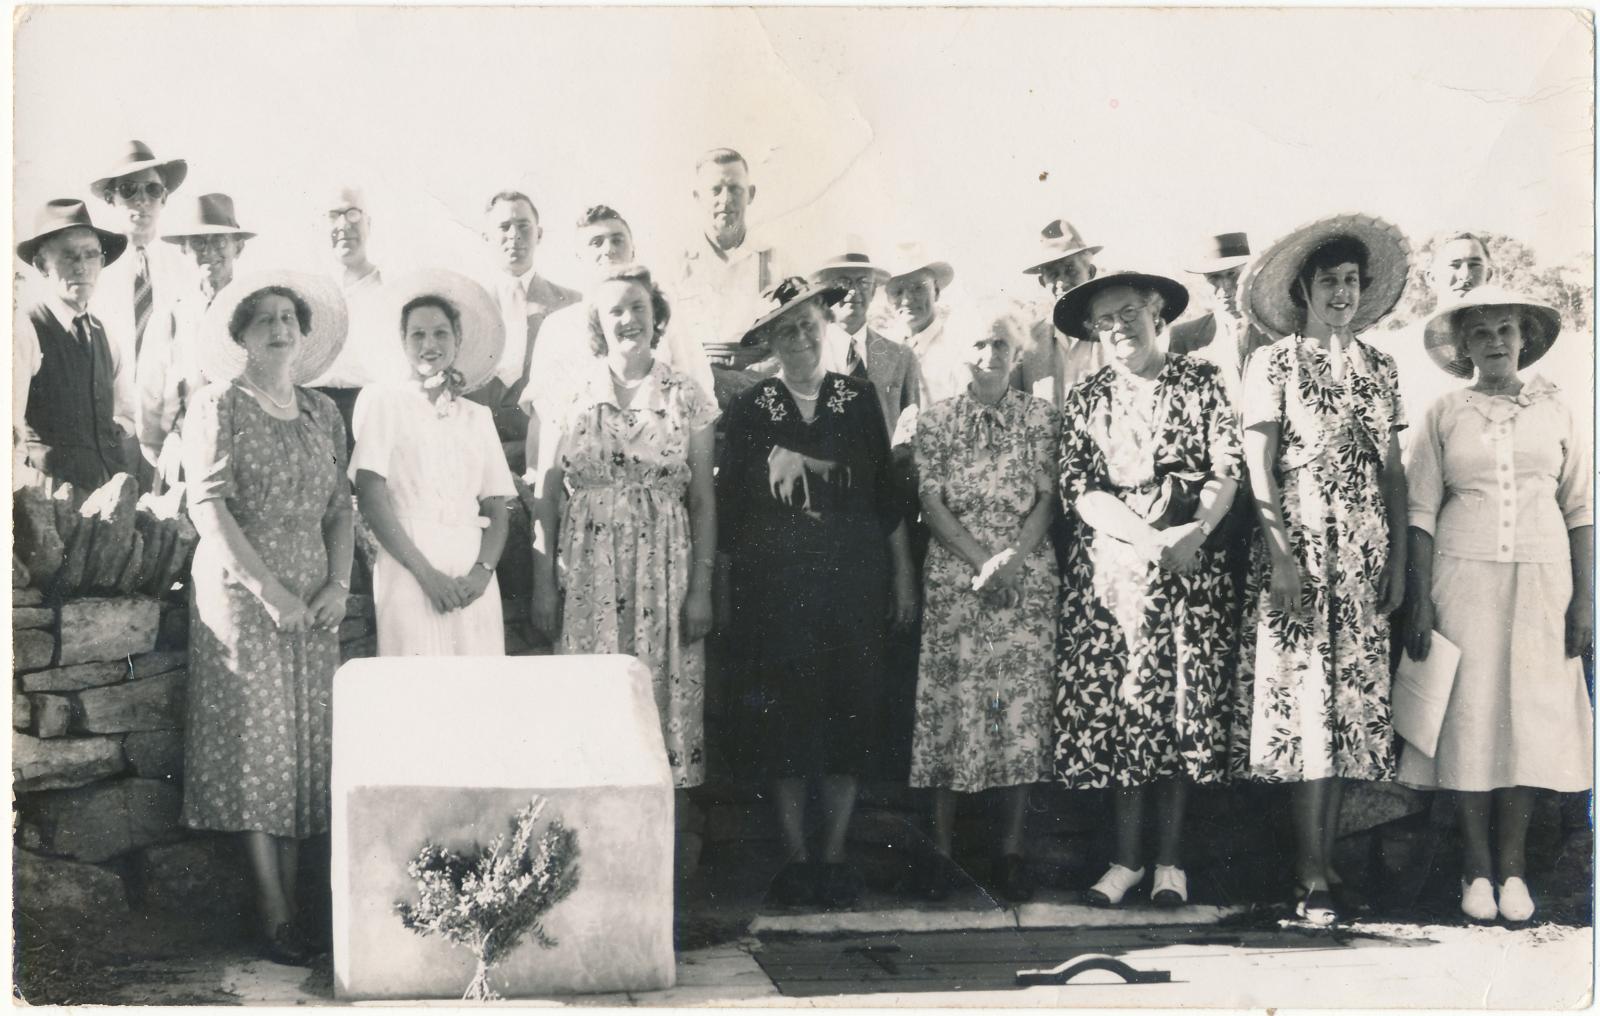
<point x="171" y="275"/>
<point x="372" y="352"/>
<point x="944" y="376"/>
<point x="718" y="293"/>
<point x="836" y="343"/>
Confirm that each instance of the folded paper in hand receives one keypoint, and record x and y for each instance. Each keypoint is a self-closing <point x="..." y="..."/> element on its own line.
<point x="1421" y="693"/>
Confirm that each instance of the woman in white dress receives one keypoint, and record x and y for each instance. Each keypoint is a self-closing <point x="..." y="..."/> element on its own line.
<point x="1501" y="481"/>
<point x="431" y="478"/>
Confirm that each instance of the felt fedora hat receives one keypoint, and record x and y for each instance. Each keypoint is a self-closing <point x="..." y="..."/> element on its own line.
<point x="223" y="359"/>
<point x="788" y="296"/>
<point x="136" y="156"/>
<point x="1220" y="253"/>
<point x="1265" y="288"/>
<point x="61" y="215"/>
<point x="1058" y="239"/>
<point x="483" y="330"/>
<point x="1072" y="308"/>
<point x="851" y="261"/>
<point x="207" y="215"/>
<point x="1439" y="333"/>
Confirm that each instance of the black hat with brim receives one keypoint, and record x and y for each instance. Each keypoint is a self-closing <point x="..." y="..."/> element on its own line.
<point x="1074" y="306"/>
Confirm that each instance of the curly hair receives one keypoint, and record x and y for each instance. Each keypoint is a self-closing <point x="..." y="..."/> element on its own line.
<point x="660" y="310"/>
<point x="1528" y="325"/>
<point x="246" y="311"/>
<point x="1331" y="253"/>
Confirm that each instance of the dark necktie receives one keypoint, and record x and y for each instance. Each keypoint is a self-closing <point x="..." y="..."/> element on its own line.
<point x="80" y="328"/>
<point x="852" y="359"/>
<point x="143" y="299"/>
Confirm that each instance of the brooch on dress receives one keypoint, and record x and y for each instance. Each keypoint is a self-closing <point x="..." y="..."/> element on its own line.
<point x="768" y="400"/>
<point x="842" y="394"/>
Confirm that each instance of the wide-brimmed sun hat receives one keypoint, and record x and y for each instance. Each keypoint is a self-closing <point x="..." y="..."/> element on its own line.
<point x="136" y="156"/>
<point x="1220" y="253"/>
<point x="207" y="215"/>
<point x="1058" y="240"/>
<point x="222" y="359"/>
<point x="1264" y="290"/>
<point x="63" y="214"/>
<point x="483" y="330"/>
<point x="914" y="261"/>
<point x="1439" y="338"/>
<point x="787" y="296"/>
<point x="1072" y="308"/>
<point x="850" y="261"/>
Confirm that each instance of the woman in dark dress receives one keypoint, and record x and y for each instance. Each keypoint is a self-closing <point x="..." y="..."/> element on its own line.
<point x="820" y="569"/>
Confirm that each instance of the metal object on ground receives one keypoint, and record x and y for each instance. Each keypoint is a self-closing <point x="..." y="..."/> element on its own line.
<point x="1065" y="972"/>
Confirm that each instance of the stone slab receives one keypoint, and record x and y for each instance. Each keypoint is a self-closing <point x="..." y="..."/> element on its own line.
<point x="200" y="874"/>
<point x="65" y="898"/>
<point x="110" y="512"/>
<point x="52" y="715"/>
<point x="37" y="543"/>
<point x="583" y="733"/>
<point x="20" y="576"/>
<point x="21" y="711"/>
<point x="1077" y="915"/>
<point x="103" y="820"/>
<point x="154" y="703"/>
<point x="98" y="628"/>
<point x="30" y="597"/>
<point x="32" y="650"/>
<point x="62" y="762"/>
<point x="155" y="754"/>
<point x="31" y="617"/>
<point x="162" y="661"/>
<point x="76" y="677"/>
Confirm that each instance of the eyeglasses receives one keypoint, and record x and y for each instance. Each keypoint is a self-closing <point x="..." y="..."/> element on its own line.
<point x="1127" y="315"/>
<point x="155" y="190"/>
<point x="200" y="244"/>
<point x="353" y="216"/>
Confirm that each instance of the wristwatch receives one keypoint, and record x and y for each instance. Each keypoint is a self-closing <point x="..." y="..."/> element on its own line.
<point x="485" y="565"/>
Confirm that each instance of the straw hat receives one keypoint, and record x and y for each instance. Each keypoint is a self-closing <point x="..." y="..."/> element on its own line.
<point x="1264" y="289"/>
<point x="136" y="156"/>
<point x="1438" y="334"/>
<point x="63" y="214"/>
<point x="912" y="260"/>
<point x="851" y="261"/>
<point x="207" y="215"/>
<point x="1073" y="307"/>
<point x="1220" y="253"/>
<point x="483" y="331"/>
<point x="786" y="296"/>
<point x="222" y="359"/>
<point x="1058" y="240"/>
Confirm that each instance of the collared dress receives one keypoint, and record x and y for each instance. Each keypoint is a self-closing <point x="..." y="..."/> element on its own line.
<point x="258" y="736"/>
<point x="1500" y="481"/>
<point x="1144" y="653"/>
<point x="805" y="510"/>
<point x="626" y="549"/>
<point x="986" y="676"/>
<point x="439" y="460"/>
<point x="1312" y="695"/>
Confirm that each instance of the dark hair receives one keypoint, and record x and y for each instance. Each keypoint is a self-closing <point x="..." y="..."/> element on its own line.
<point x="722" y="157"/>
<point x="431" y="300"/>
<point x="1475" y="238"/>
<point x="247" y="310"/>
<point x="512" y="196"/>
<point x="595" y="214"/>
<point x="1331" y="253"/>
<point x="660" y="311"/>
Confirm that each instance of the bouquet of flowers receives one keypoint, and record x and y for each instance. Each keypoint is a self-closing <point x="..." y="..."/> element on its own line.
<point x="489" y="898"/>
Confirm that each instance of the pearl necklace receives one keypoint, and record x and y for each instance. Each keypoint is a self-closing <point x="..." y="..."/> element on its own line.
<point x="285" y="405"/>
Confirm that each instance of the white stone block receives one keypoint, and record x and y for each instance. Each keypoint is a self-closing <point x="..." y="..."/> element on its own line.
<point x="448" y="750"/>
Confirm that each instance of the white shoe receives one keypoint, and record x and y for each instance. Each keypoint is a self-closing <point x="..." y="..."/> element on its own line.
<point x="1515" y="903"/>
<point x="1477" y="900"/>
<point x="1113" y="886"/>
<point x="1171" y="888"/>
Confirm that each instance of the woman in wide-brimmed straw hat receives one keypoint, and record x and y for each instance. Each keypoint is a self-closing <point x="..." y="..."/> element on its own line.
<point x="264" y="459"/>
<point x="636" y="538"/>
<point x="1150" y="462"/>
<point x="821" y="566"/>
<point x="1501" y="482"/>
<point x="1322" y="415"/>
<point x="430" y="474"/>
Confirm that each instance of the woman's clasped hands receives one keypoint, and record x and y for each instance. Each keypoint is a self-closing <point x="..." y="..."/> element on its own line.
<point x="446" y="593"/>
<point x="1000" y="578"/>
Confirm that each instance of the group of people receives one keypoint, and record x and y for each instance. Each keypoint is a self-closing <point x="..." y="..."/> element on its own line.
<point x="1105" y="548"/>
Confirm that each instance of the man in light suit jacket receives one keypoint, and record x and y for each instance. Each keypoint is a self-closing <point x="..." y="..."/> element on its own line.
<point x="1222" y="335"/>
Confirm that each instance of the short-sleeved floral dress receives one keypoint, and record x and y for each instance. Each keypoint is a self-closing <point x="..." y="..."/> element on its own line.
<point x="1144" y="652"/>
<point x="1312" y="696"/>
<point x="258" y="734"/>
<point x="986" y="676"/>
<point x="626" y="541"/>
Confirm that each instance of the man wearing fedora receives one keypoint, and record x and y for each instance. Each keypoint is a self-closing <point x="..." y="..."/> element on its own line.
<point x="168" y="371"/>
<point x="1053" y="361"/>
<point x="913" y="290"/>
<point x="66" y="425"/>
<point x="717" y="288"/>
<point x="371" y="352"/>
<point x="851" y="346"/>
<point x="1222" y="335"/>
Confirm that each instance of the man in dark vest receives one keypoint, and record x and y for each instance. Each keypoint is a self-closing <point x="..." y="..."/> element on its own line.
<point x="67" y="428"/>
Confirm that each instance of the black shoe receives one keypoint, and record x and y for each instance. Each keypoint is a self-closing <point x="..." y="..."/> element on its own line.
<point x="935" y="877"/>
<point x="839" y="886"/>
<point x="1011" y="878"/>
<point x="286" y="946"/>
<point x="793" y="886"/>
<point x="1348" y="899"/>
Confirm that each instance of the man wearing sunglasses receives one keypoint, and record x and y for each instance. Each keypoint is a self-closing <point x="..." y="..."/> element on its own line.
<point x="136" y="291"/>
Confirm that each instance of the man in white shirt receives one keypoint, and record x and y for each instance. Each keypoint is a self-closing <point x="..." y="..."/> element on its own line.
<point x="913" y="292"/>
<point x="717" y="288"/>
<point x="1222" y="335"/>
<point x="850" y="346"/>
<point x="371" y="353"/>
<point x="1055" y="361"/>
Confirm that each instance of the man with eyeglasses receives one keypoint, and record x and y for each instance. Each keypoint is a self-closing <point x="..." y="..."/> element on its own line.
<point x="371" y="351"/>
<point x="138" y="290"/>
<point x="65" y="369"/>
<point x="1053" y="361"/>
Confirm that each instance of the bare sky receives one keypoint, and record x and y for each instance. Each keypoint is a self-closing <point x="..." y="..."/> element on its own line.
<point x="966" y="129"/>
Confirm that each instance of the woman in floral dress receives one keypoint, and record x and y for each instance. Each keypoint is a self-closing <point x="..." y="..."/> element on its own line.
<point x="1322" y="415"/>
<point x="431" y="477"/>
<point x="267" y="493"/>
<point x="1150" y="462"/>
<point x="986" y="462"/>
<point x="637" y="536"/>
